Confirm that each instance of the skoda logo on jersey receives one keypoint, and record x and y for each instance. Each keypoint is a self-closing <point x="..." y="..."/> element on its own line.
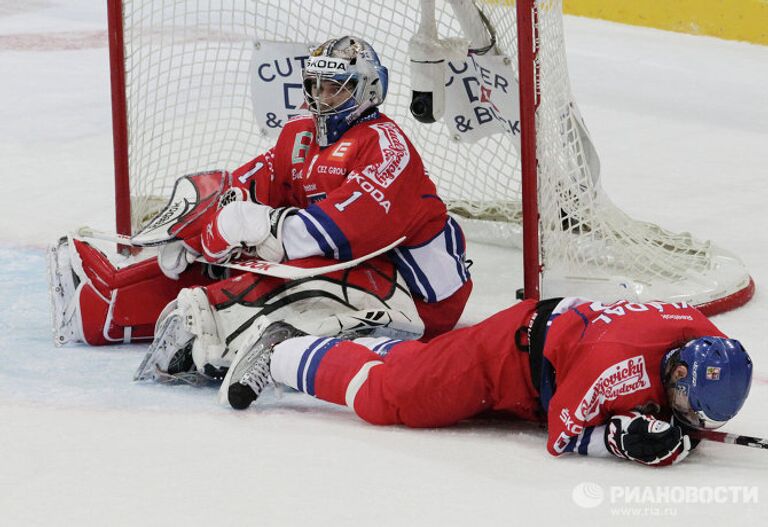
<point x="326" y="65"/>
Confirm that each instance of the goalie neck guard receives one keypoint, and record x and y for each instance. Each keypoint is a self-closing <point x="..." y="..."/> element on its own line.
<point x="342" y="80"/>
<point x="717" y="382"/>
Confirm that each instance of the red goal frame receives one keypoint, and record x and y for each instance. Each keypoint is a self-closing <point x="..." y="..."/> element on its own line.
<point x="529" y="82"/>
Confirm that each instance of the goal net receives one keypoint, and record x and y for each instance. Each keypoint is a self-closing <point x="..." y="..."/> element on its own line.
<point x="191" y="87"/>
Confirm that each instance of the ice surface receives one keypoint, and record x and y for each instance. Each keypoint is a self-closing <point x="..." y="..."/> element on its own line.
<point x="681" y="124"/>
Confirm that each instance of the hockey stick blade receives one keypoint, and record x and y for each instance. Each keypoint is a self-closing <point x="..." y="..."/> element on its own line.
<point x="263" y="267"/>
<point x="732" y="439"/>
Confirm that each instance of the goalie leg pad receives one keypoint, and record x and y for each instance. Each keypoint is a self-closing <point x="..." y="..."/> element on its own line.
<point x="208" y="348"/>
<point x="95" y="302"/>
<point x="369" y="300"/>
<point x="65" y="276"/>
<point x="80" y="312"/>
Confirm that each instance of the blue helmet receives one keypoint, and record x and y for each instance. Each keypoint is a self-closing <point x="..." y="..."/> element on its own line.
<point x="353" y="80"/>
<point x="716" y="385"/>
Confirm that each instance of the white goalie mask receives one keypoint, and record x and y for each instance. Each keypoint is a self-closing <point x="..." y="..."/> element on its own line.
<point x="342" y="79"/>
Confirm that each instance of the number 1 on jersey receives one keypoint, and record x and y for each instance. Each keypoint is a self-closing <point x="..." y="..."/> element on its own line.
<point x="347" y="202"/>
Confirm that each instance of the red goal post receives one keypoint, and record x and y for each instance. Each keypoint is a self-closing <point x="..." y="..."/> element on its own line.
<point x="119" y="116"/>
<point x="528" y="81"/>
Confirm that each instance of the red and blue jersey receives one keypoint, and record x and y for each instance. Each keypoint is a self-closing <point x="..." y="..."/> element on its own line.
<point x="607" y="361"/>
<point x="357" y="195"/>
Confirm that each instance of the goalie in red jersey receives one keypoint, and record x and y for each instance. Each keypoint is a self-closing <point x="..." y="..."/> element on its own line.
<point x="627" y="380"/>
<point x="339" y="184"/>
<point x="345" y="182"/>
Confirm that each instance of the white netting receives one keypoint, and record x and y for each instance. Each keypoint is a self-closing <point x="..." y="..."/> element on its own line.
<point x="588" y="245"/>
<point x="187" y="68"/>
<point x="189" y="109"/>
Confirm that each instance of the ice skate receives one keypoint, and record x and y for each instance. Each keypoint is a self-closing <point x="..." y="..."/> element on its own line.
<point x="249" y="373"/>
<point x="186" y="327"/>
<point x="169" y="358"/>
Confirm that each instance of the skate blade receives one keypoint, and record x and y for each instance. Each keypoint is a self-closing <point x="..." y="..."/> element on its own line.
<point x="195" y="379"/>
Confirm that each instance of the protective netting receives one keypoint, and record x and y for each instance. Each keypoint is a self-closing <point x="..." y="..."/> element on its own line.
<point x="587" y="243"/>
<point x="189" y="109"/>
<point x="187" y="67"/>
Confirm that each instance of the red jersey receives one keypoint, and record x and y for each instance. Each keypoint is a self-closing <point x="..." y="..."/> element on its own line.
<point x="607" y="361"/>
<point x="357" y="195"/>
<point x="604" y="360"/>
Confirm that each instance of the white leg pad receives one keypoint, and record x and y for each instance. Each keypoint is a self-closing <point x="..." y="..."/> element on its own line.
<point x="200" y="321"/>
<point x="65" y="280"/>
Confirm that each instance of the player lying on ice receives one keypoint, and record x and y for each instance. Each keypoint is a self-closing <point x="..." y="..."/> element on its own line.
<point x="340" y="183"/>
<point x="626" y="380"/>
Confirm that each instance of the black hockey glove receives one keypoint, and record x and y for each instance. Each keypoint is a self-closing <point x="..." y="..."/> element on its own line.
<point x="646" y="440"/>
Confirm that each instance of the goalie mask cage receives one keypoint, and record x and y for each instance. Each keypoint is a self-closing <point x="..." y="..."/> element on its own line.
<point x="182" y="104"/>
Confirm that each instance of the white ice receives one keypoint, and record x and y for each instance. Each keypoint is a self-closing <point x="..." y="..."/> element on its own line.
<point x="681" y="123"/>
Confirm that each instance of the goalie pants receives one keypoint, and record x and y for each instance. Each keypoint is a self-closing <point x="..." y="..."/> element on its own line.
<point x="122" y="305"/>
<point x="454" y="376"/>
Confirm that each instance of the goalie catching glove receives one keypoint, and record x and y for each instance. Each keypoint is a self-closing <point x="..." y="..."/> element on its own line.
<point x="176" y="256"/>
<point x="250" y="228"/>
<point x="646" y="440"/>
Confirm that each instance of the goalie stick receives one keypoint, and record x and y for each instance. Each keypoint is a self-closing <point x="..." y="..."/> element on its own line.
<point x="263" y="267"/>
<point x="732" y="439"/>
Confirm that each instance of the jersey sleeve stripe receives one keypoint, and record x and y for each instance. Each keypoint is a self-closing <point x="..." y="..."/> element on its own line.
<point x="435" y="269"/>
<point x="323" y="242"/>
<point x="454" y="245"/>
<point x="584" y="441"/>
<point x="571" y="444"/>
<point x="414" y="276"/>
<point x="327" y="233"/>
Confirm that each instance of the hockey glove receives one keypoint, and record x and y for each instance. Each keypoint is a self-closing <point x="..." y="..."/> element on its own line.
<point x="174" y="258"/>
<point x="646" y="440"/>
<point x="245" y="227"/>
<point x="231" y="195"/>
